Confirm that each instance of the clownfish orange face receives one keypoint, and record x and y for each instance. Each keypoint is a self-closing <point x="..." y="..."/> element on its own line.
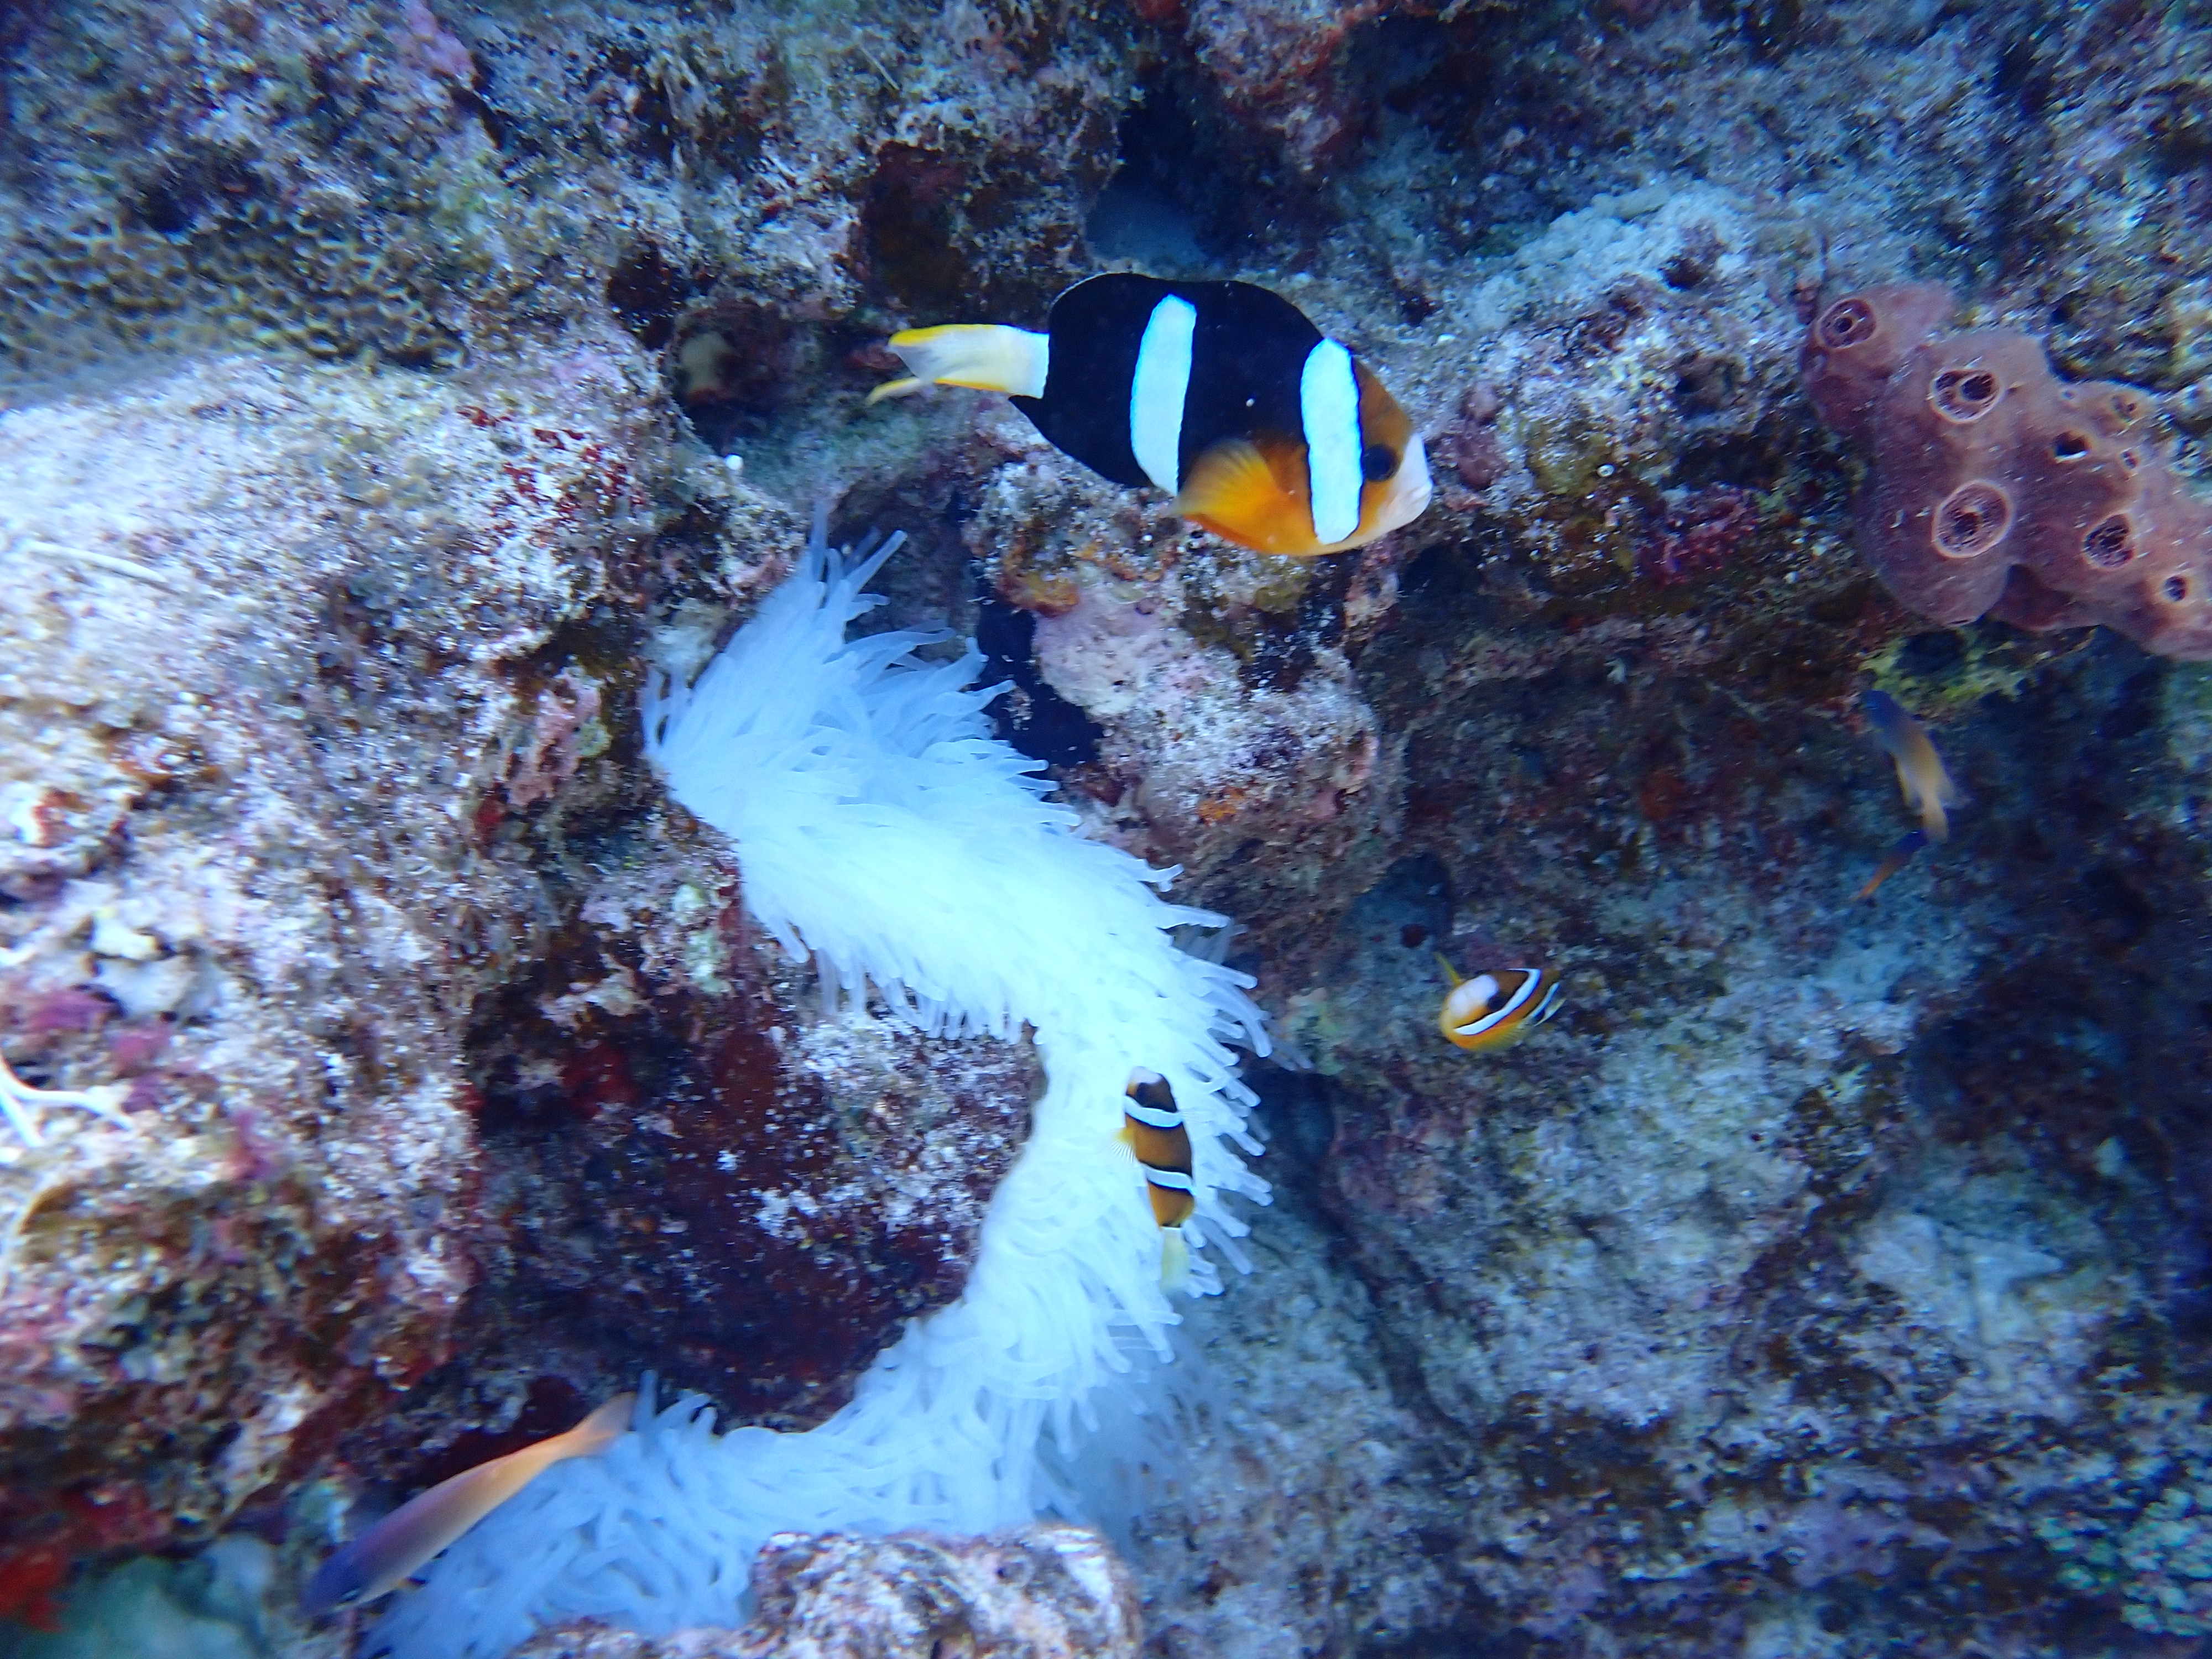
<point x="1223" y="394"/>
<point x="1272" y="495"/>
<point x="1496" y="1008"/>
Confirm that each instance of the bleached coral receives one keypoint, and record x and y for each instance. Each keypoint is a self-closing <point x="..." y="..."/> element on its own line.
<point x="882" y="829"/>
<point x="22" y="1104"/>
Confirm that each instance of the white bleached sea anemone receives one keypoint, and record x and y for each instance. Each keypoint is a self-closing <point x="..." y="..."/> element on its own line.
<point x="884" y="830"/>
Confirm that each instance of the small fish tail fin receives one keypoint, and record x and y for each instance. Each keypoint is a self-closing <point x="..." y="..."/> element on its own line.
<point x="1550" y="1004"/>
<point x="1174" y="1261"/>
<point x="985" y="356"/>
<point x="338" y="1582"/>
<point x="905" y="387"/>
<point x="601" y="1429"/>
<point x="1899" y="855"/>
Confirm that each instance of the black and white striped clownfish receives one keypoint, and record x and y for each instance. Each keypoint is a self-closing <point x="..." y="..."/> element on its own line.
<point x="1152" y="1128"/>
<point x="1223" y="394"/>
<point x="1494" y="1009"/>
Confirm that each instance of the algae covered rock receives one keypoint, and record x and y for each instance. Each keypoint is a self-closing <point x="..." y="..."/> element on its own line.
<point x="387" y="388"/>
<point x="255" y="692"/>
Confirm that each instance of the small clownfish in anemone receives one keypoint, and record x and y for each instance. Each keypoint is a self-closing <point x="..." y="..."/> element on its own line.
<point x="1152" y="1128"/>
<point x="395" y="1548"/>
<point x="1223" y="394"/>
<point x="1494" y="1009"/>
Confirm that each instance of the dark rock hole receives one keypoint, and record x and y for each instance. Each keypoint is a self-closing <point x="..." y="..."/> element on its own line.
<point x="1032" y="717"/>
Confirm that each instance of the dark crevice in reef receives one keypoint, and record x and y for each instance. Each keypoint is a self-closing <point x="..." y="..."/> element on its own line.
<point x="1302" y="1114"/>
<point x="2088" y="1047"/>
<point x="1191" y="188"/>
<point x="1032" y="717"/>
<point x="647" y="292"/>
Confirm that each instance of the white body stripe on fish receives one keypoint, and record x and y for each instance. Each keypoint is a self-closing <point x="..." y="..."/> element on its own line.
<point x="1174" y="1179"/>
<point x="1522" y="993"/>
<point x="1328" y="397"/>
<point x="1157" y="390"/>
<point x="1169" y="1119"/>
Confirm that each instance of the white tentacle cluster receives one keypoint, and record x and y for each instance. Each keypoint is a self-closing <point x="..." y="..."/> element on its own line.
<point x="882" y="830"/>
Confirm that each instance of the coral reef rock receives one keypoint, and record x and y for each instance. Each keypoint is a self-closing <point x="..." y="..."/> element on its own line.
<point x="385" y="390"/>
<point x="1048" y="1591"/>
<point x="265" y="629"/>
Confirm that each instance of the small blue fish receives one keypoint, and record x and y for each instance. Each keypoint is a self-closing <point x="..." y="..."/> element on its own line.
<point x="395" y="1548"/>
<point x="1920" y="772"/>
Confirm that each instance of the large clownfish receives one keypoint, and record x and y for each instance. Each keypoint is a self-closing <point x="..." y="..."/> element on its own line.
<point x="1153" y="1129"/>
<point x="1494" y="1009"/>
<point x="1223" y="394"/>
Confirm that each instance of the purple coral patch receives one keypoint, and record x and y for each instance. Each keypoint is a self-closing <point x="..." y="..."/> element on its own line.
<point x="1699" y="535"/>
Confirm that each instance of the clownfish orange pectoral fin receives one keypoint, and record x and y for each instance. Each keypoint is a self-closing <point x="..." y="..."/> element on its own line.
<point x="1252" y="492"/>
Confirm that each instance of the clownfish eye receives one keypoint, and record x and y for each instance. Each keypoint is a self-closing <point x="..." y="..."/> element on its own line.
<point x="1377" y="462"/>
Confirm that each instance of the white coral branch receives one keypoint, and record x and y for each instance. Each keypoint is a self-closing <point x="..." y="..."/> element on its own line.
<point x="24" y="1104"/>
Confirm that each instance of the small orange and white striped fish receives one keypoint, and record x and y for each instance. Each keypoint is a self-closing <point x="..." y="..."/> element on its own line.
<point x="1152" y="1128"/>
<point x="1495" y="1008"/>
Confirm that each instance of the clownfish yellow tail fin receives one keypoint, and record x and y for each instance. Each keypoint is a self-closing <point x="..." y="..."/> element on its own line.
<point x="984" y="357"/>
<point x="1174" y="1261"/>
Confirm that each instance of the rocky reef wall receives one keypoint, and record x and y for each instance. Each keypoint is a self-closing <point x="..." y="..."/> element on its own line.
<point x="384" y="390"/>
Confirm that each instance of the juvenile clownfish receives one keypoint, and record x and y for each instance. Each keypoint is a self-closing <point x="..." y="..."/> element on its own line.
<point x="1223" y="394"/>
<point x="1152" y="1128"/>
<point x="1494" y="1009"/>
<point x="1920" y="772"/>
<point x="391" y="1551"/>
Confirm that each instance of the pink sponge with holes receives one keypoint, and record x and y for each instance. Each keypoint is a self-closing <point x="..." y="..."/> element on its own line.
<point x="1999" y="488"/>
